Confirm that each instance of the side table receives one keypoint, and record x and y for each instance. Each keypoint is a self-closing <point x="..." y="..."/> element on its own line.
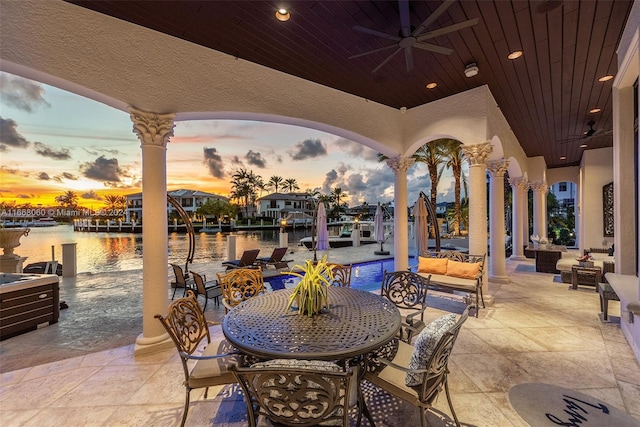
<point x="590" y="276"/>
<point x="606" y="294"/>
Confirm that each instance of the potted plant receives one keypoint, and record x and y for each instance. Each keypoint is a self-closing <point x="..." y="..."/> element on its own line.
<point x="311" y="293"/>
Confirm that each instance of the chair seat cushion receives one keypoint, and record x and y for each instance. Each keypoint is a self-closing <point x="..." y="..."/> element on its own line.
<point x="210" y="372"/>
<point x="425" y="344"/>
<point x="452" y="281"/>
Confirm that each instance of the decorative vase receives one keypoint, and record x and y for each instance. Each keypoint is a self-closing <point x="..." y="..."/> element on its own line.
<point x="10" y="239"/>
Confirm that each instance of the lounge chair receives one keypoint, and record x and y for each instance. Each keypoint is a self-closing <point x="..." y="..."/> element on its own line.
<point x="275" y="259"/>
<point x="247" y="260"/>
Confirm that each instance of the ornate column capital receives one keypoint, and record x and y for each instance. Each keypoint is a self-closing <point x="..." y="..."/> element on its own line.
<point x="497" y="168"/>
<point x="152" y="128"/>
<point x="539" y="186"/>
<point x="520" y="183"/>
<point x="400" y="163"/>
<point x="477" y="153"/>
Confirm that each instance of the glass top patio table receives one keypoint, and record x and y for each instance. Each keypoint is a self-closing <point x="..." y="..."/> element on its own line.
<point x="356" y="323"/>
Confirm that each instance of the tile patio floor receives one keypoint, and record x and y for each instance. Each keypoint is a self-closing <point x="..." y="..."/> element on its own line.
<point x="537" y="331"/>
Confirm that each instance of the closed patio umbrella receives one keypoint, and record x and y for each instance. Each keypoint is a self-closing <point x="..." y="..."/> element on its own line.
<point x="421" y="227"/>
<point x="379" y="225"/>
<point x="323" y="234"/>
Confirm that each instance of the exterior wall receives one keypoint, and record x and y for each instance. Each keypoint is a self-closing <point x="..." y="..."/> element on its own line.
<point x="597" y="171"/>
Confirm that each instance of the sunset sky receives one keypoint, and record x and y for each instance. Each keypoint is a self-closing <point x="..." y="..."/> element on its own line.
<point x="52" y="141"/>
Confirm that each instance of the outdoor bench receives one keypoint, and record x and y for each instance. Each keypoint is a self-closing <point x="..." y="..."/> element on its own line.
<point x="453" y="271"/>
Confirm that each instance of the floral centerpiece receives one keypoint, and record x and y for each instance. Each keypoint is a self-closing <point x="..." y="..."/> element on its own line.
<point x="585" y="260"/>
<point x="311" y="293"/>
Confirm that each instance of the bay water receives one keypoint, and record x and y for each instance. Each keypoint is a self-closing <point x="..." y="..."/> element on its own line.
<point x="100" y="252"/>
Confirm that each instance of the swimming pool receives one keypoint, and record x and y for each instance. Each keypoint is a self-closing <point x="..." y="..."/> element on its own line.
<point x="366" y="276"/>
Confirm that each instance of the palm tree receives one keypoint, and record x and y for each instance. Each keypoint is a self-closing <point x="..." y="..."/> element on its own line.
<point x="68" y="200"/>
<point x="432" y="154"/>
<point x="274" y="182"/>
<point x="244" y="186"/>
<point x="455" y="159"/>
<point x="290" y="184"/>
<point x="336" y="195"/>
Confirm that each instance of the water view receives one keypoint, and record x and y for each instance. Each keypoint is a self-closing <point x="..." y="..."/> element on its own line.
<point x="107" y="252"/>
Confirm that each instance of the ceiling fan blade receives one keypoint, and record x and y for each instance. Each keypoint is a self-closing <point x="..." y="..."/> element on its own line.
<point x="408" y="55"/>
<point x="386" y="60"/>
<point x="376" y="33"/>
<point x="431" y="18"/>
<point x="372" y="51"/>
<point x="405" y="21"/>
<point x="448" y="29"/>
<point x="434" y="48"/>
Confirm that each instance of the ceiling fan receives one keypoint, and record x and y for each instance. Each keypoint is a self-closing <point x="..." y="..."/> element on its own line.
<point x="410" y="37"/>
<point x="589" y="133"/>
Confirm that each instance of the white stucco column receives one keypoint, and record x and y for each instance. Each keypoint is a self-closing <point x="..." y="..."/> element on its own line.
<point x="497" y="260"/>
<point x="477" y="155"/>
<point x="540" y="189"/>
<point x="400" y="165"/>
<point x="154" y="131"/>
<point x="519" y="189"/>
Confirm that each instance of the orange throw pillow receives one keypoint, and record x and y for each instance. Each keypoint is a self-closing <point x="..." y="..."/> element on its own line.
<point x="432" y="265"/>
<point x="464" y="270"/>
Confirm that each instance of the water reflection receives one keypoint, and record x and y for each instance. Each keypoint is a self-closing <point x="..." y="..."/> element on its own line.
<point x="105" y="252"/>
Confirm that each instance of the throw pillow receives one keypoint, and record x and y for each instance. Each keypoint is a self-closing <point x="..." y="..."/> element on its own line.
<point x="465" y="270"/>
<point x="432" y="265"/>
<point x="425" y="345"/>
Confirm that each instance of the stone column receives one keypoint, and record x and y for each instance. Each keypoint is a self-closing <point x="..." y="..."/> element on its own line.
<point x="400" y="165"/>
<point x="497" y="260"/>
<point x="154" y="131"/>
<point x="477" y="155"/>
<point x="519" y="187"/>
<point x="540" y="189"/>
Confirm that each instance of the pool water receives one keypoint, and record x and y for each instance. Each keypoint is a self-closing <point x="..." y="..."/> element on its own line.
<point x="366" y="276"/>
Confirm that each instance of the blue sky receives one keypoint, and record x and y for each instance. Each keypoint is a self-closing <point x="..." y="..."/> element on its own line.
<point x="52" y="141"/>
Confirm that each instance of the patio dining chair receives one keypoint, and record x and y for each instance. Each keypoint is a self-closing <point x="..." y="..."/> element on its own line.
<point x="247" y="260"/>
<point x="289" y="392"/>
<point x="181" y="281"/>
<point x="210" y="290"/>
<point x="341" y="275"/>
<point x="189" y="329"/>
<point x="240" y="284"/>
<point x="417" y="373"/>
<point x="408" y="291"/>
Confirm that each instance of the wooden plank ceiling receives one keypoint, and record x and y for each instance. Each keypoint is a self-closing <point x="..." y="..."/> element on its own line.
<point x="546" y="94"/>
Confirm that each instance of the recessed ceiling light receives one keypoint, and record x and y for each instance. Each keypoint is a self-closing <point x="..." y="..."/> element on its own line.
<point x="515" y="54"/>
<point x="605" y="78"/>
<point x="583" y="146"/>
<point x="431" y="85"/>
<point x="595" y="110"/>
<point x="563" y="158"/>
<point x="283" y="15"/>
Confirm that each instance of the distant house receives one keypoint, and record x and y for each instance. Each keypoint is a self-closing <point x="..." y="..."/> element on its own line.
<point x="190" y="200"/>
<point x="279" y="205"/>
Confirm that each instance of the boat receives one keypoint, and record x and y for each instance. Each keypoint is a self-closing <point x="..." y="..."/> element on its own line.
<point x="43" y="222"/>
<point x="345" y="237"/>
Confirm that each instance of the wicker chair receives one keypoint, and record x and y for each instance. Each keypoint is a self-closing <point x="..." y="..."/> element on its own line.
<point x="341" y="275"/>
<point x="188" y="328"/>
<point x="299" y="393"/>
<point x="432" y="350"/>
<point x="240" y="284"/>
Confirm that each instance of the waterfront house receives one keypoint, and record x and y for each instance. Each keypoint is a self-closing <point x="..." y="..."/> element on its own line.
<point x="280" y="205"/>
<point x="190" y="200"/>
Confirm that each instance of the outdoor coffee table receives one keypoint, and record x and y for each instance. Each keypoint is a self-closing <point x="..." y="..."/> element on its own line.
<point x="356" y="323"/>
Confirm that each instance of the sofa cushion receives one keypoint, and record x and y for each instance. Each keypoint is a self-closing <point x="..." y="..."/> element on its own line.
<point x="465" y="270"/>
<point x="432" y="265"/>
<point x="425" y="345"/>
<point x="451" y="282"/>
